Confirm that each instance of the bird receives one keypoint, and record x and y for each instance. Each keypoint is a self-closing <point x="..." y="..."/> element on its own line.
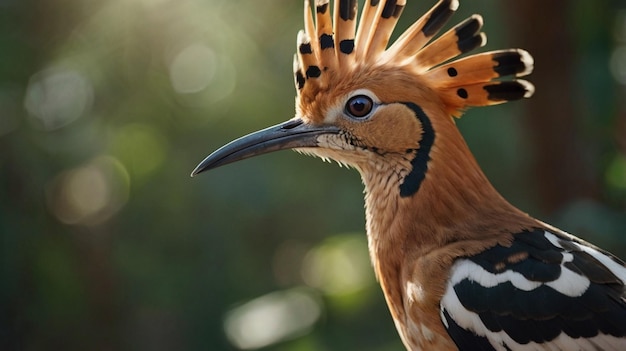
<point x="459" y="266"/>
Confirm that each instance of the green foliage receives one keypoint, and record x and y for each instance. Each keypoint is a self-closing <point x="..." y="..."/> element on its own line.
<point x="105" y="241"/>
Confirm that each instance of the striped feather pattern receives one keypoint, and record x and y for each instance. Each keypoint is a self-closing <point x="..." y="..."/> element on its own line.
<point x="462" y="38"/>
<point x="386" y="19"/>
<point x="546" y="291"/>
<point x="329" y="47"/>
<point x="424" y="29"/>
<point x="345" y="27"/>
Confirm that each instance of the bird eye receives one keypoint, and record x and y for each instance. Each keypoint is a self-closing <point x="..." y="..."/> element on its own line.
<point x="359" y="106"/>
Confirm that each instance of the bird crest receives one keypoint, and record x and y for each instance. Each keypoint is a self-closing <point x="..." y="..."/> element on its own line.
<point x="460" y="267"/>
<point x="331" y="48"/>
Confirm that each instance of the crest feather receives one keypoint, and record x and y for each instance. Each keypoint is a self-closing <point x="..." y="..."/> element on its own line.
<point x="418" y="35"/>
<point x="325" y="39"/>
<point x="365" y="26"/>
<point x="309" y="27"/>
<point x="464" y="37"/>
<point x="387" y="15"/>
<point x="329" y="46"/>
<point x="345" y="25"/>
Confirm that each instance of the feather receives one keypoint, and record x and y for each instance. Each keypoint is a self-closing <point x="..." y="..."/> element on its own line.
<point x="345" y="25"/>
<point x="386" y="20"/>
<point x="414" y="38"/>
<point x="485" y="94"/>
<point x="553" y="301"/>
<point x="305" y="54"/>
<point x="310" y="29"/>
<point x="330" y="43"/>
<point x="481" y="68"/>
<point x="365" y="26"/>
<point x="299" y="78"/>
<point x="324" y="26"/>
<point x="462" y="38"/>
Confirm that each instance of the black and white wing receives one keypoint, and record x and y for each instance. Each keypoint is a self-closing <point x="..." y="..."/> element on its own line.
<point x="546" y="291"/>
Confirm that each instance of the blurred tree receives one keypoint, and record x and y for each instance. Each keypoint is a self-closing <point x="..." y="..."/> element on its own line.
<point x="106" y="106"/>
<point x="560" y="168"/>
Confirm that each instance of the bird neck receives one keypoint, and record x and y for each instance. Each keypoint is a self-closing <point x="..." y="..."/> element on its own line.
<point x="455" y="202"/>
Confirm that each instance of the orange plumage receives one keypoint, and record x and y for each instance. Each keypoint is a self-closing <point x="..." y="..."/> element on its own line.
<point x="460" y="267"/>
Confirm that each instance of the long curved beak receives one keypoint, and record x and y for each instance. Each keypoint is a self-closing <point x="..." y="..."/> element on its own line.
<point x="287" y="135"/>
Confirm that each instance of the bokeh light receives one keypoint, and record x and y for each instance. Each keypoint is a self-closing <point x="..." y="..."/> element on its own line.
<point x="193" y="69"/>
<point x="340" y="265"/>
<point x="618" y="56"/>
<point x="89" y="194"/>
<point x="141" y="148"/>
<point x="616" y="172"/>
<point x="56" y="97"/>
<point x="272" y="318"/>
<point x="107" y="244"/>
<point x="618" y="64"/>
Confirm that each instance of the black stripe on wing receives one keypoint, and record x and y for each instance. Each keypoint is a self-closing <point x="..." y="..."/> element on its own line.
<point x="560" y="287"/>
<point x="465" y="339"/>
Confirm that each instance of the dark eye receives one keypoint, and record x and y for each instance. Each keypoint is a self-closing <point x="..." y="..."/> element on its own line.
<point x="359" y="106"/>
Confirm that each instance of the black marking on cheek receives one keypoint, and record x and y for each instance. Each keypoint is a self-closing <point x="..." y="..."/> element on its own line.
<point x="346" y="46"/>
<point x="313" y="72"/>
<point x="326" y="41"/>
<point x="354" y="141"/>
<point x="322" y="8"/>
<point x="347" y="9"/>
<point x="437" y="19"/>
<point x="300" y="80"/>
<point x="305" y="48"/>
<point x="372" y="149"/>
<point x="462" y="93"/>
<point x="389" y="9"/>
<point x="374" y="2"/>
<point x="452" y="72"/>
<point x="419" y="164"/>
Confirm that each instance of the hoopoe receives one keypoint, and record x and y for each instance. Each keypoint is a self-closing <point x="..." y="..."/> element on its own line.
<point x="459" y="266"/>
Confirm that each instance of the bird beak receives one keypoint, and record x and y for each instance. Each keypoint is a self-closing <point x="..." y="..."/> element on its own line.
<point x="287" y="135"/>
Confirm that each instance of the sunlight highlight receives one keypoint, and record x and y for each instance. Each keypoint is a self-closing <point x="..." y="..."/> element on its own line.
<point x="616" y="172"/>
<point x="618" y="64"/>
<point x="272" y="318"/>
<point x="58" y="97"/>
<point x="339" y="266"/>
<point x="618" y="56"/>
<point x="89" y="194"/>
<point x="193" y="69"/>
<point x="141" y="148"/>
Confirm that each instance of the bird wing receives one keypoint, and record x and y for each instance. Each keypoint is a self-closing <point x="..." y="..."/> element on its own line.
<point x="546" y="291"/>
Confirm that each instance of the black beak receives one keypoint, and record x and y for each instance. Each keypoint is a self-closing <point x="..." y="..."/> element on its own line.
<point x="288" y="135"/>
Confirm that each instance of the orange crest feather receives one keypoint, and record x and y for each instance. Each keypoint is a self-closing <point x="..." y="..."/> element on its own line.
<point x="331" y="45"/>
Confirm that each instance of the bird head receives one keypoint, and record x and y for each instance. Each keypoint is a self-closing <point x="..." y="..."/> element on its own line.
<point x="368" y="104"/>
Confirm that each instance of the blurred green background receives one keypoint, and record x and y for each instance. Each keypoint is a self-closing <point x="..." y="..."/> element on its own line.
<point x="106" y="106"/>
